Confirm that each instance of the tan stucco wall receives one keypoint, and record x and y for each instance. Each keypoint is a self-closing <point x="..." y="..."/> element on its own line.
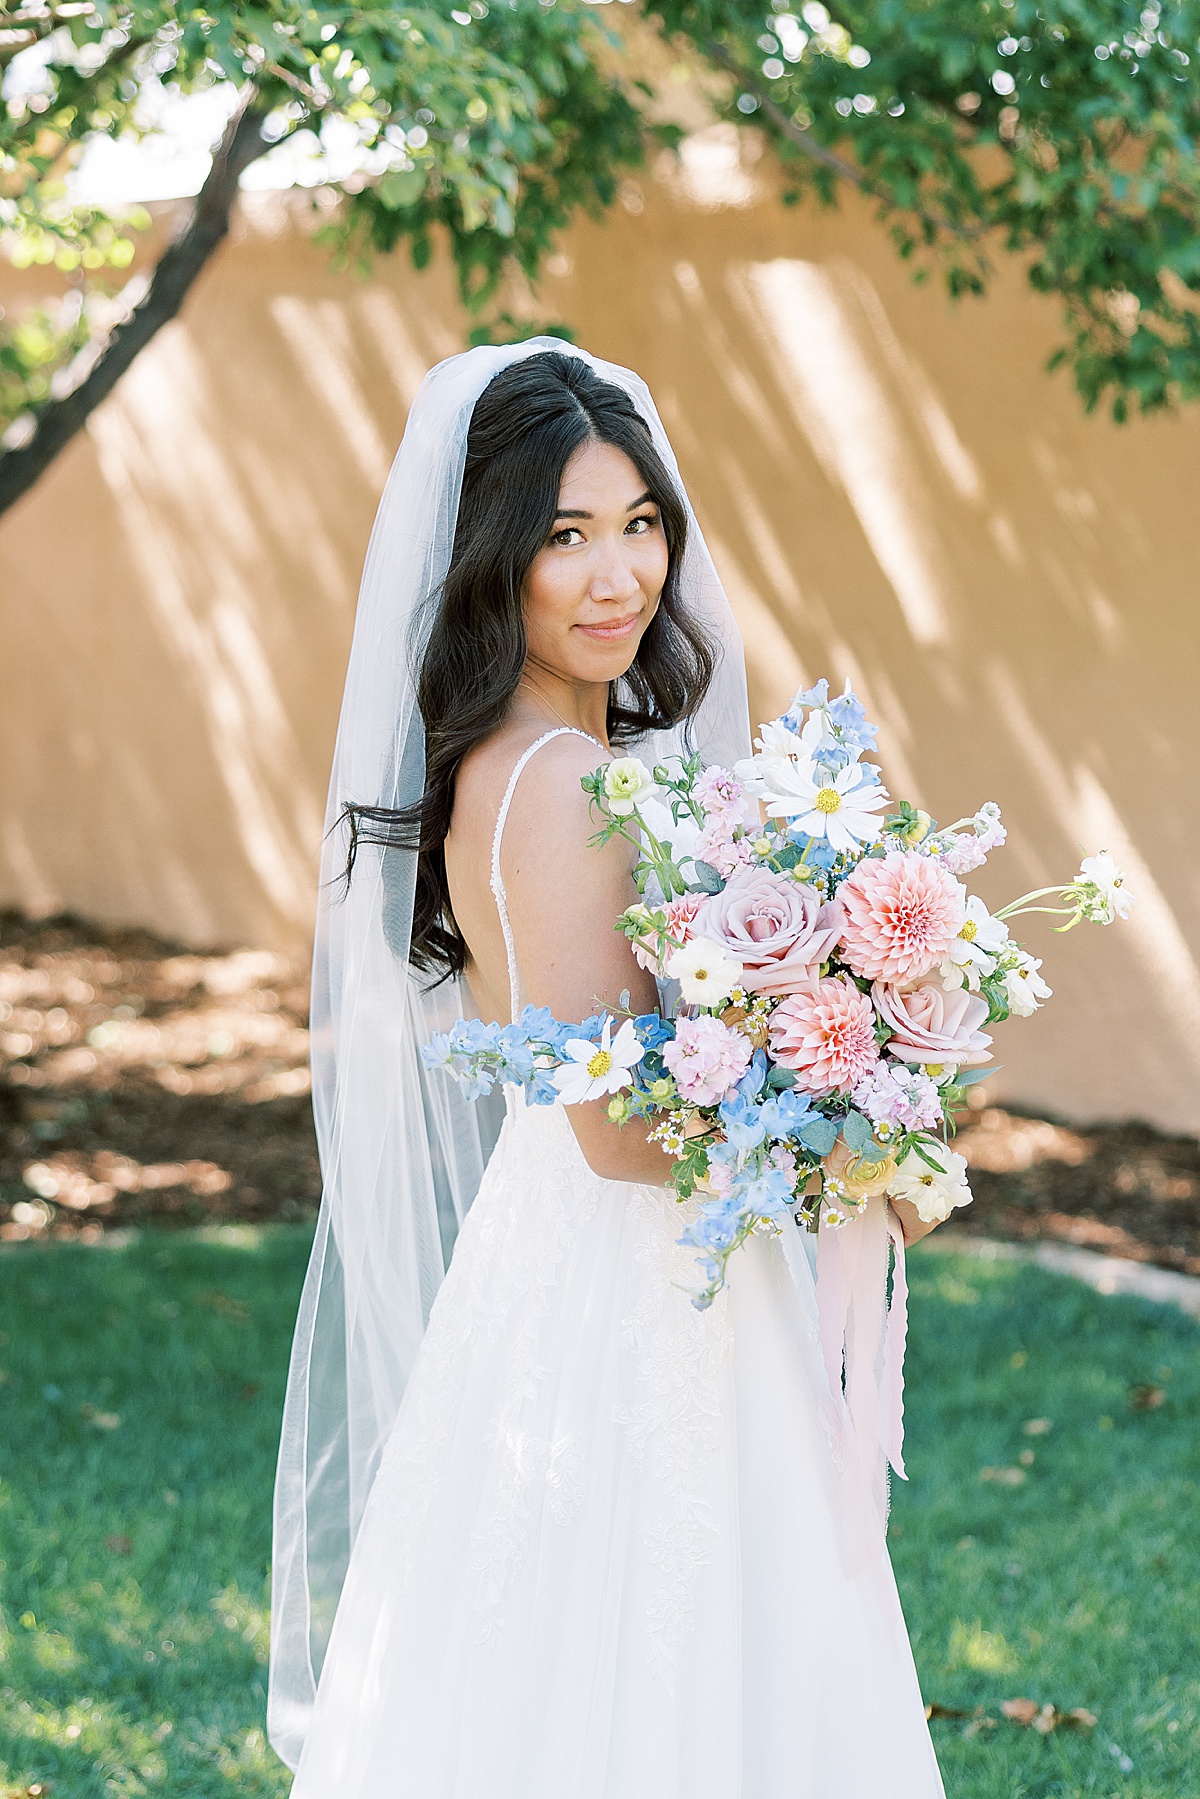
<point x="894" y="490"/>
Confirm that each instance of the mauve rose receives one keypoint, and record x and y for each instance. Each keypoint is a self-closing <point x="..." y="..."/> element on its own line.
<point x="778" y="930"/>
<point x="932" y="1025"/>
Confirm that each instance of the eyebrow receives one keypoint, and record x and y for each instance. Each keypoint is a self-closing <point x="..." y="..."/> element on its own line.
<point x="632" y="507"/>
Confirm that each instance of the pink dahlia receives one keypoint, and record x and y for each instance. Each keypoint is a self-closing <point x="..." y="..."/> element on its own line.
<point x="681" y="916"/>
<point x="826" y="1034"/>
<point x="900" y="915"/>
<point x="706" y="1058"/>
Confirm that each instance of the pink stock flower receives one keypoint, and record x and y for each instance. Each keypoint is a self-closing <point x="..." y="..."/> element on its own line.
<point x="721" y="848"/>
<point x="706" y="1058"/>
<point x="722" y="795"/>
<point x="900" y="915"/>
<point x="895" y="1095"/>
<point x="826" y="1034"/>
<point x="963" y="854"/>
<point x="932" y="1025"/>
<point x="778" y="930"/>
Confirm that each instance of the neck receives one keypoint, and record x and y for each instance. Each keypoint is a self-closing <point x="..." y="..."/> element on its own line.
<point x="580" y="704"/>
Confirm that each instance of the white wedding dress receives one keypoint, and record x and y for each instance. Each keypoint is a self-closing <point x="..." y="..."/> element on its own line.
<point x="600" y="1559"/>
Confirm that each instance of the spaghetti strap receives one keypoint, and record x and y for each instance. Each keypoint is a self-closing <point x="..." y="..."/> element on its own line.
<point x="497" y="881"/>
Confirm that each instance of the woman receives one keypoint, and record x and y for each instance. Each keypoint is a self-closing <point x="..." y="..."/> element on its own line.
<point x="607" y="1546"/>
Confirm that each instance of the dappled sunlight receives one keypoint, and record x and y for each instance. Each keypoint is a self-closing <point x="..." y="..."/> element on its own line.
<point x="1087" y="816"/>
<point x="844" y="412"/>
<point x="318" y="337"/>
<point x="211" y="634"/>
<point x="83" y="1021"/>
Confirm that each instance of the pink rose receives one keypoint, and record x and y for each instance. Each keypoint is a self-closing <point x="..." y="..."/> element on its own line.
<point x="825" y="1033"/>
<point x="778" y="930"/>
<point x="932" y="1025"/>
<point x="706" y="1058"/>
<point x="900" y="915"/>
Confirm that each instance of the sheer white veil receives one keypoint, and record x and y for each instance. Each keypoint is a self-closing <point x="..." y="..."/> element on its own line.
<point x="401" y="1159"/>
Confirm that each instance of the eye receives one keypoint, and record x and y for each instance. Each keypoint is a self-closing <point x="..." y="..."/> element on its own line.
<point x="638" y="527"/>
<point x="569" y="534"/>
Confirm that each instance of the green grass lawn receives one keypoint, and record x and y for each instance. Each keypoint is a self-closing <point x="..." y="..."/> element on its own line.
<point x="138" y="1418"/>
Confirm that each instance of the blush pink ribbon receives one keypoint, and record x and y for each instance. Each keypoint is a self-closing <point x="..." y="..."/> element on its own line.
<point x="863" y="1337"/>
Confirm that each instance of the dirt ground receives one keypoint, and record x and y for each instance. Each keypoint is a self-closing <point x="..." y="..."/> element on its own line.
<point x="140" y="1081"/>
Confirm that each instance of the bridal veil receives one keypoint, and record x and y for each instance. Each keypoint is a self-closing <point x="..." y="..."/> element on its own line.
<point x="401" y="1157"/>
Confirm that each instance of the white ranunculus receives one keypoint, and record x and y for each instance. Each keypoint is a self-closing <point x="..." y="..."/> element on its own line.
<point x="1104" y="887"/>
<point x="706" y="973"/>
<point x="1024" y="987"/>
<point x="627" y="782"/>
<point x="934" y="1192"/>
<point x="594" y="1069"/>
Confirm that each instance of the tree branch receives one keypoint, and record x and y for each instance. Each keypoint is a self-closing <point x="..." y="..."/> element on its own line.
<point x="811" y="146"/>
<point x="57" y="422"/>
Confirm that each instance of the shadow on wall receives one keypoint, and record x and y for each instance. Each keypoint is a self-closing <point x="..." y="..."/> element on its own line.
<point x="893" y="489"/>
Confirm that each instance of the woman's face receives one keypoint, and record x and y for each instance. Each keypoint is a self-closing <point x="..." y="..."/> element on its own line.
<point x="594" y="586"/>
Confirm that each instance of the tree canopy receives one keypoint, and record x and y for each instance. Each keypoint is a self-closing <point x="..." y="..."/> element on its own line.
<point x="1062" y="132"/>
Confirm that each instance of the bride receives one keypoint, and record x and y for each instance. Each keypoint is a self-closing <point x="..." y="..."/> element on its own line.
<point x="543" y="1530"/>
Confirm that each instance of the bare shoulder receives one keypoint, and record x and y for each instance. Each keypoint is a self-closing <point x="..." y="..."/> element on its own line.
<point x="547" y="793"/>
<point x="548" y="797"/>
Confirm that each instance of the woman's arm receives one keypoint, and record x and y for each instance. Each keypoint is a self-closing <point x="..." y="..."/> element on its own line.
<point x="564" y="898"/>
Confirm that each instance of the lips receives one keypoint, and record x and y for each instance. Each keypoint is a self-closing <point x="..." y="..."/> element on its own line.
<point x="612" y="631"/>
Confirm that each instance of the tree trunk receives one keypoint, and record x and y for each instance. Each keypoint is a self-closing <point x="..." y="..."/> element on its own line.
<point x="176" y="270"/>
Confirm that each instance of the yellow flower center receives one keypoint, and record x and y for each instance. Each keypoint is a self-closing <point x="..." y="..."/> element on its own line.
<point x="828" y="800"/>
<point x="969" y="931"/>
<point x="600" y="1064"/>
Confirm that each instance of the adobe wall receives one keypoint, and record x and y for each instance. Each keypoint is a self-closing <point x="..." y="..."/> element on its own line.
<point x="893" y="489"/>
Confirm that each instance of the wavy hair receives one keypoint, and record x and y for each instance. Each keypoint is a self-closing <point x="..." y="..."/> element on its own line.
<point x="525" y="427"/>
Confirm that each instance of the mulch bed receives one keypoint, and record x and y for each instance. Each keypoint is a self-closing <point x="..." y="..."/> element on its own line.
<point x="140" y="1081"/>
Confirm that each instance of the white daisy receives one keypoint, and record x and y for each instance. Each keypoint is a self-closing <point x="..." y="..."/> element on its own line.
<point x="839" y="807"/>
<point x="594" y="1069"/>
<point x="1024" y="987"/>
<point x="1102" y="889"/>
<point x="973" y="955"/>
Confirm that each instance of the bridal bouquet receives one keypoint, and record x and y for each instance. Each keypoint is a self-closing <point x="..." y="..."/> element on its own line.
<point x="827" y="983"/>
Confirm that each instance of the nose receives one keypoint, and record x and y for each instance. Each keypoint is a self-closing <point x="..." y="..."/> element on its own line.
<point x="613" y="576"/>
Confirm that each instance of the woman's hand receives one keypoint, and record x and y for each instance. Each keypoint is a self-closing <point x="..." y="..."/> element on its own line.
<point x="912" y="1224"/>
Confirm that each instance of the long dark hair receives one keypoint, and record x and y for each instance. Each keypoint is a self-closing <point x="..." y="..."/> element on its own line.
<point x="525" y="427"/>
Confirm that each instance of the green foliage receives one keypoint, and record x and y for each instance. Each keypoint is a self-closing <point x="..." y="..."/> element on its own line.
<point x="134" y="1556"/>
<point x="497" y="125"/>
<point x="1061" y="130"/>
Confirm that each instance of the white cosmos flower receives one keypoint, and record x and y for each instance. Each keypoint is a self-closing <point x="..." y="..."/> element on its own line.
<point x="980" y="941"/>
<point x="627" y="782"/>
<point x="837" y="807"/>
<point x="1024" y="987"/>
<point x="707" y="973"/>
<point x="594" y="1069"/>
<point x="935" y="1192"/>
<point x="1104" y="895"/>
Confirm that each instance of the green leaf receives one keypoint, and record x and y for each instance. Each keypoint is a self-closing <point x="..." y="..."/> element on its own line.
<point x="818" y="1134"/>
<point x="708" y="879"/>
<point x="859" y="1135"/>
<point x="400" y="187"/>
